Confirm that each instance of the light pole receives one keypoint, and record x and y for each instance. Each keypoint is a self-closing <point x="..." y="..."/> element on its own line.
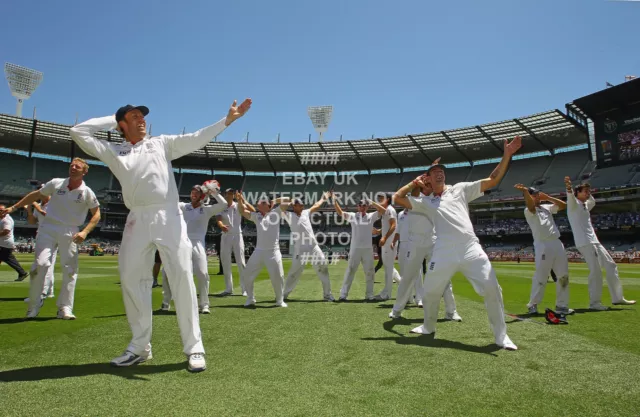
<point x="320" y="117"/>
<point x="22" y="83"/>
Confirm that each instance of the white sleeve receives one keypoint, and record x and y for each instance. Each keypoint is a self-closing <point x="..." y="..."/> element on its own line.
<point x="82" y="135"/>
<point x="217" y="208"/>
<point x="590" y="203"/>
<point x="552" y="208"/>
<point x="180" y="145"/>
<point x="49" y="188"/>
<point x="92" y="200"/>
<point x="375" y="216"/>
<point x="348" y="216"/>
<point x="393" y="214"/>
<point x="286" y="215"/>
<point x="253" y="217"/>
<point x="418" y="205"/>
<point x="471" y="190"/>
<point x="572" y="202"/>
<point x="4" y="224"/>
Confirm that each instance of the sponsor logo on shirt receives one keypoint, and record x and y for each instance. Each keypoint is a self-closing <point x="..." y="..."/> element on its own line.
<point x="61" y="192"/>
<point x="124" y="153"/>
<point x="201" y="210"/>
<point x="431" y="266"/>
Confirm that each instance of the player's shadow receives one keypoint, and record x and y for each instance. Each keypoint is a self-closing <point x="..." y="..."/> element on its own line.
<point x="164" y="313"/>
<point x="12" y="299"/>
<point x="432" y="342"/>
<point x="111" y="316"/>
<point x="40" y="373"/>
<point x="14" y="320"/>
<point x="586" y="310"/>
<point x="307" y="301"/>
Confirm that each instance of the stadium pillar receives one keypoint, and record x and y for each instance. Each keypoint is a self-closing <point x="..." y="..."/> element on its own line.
<point x="32" y="141"/>
<point x="422" y="151"/>
<point x="268" y="159"/>
<point x="235" y="150"/>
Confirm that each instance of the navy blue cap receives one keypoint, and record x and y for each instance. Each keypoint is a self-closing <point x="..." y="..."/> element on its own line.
<point x="126" y="109"/>
<point x="442" y="167"/>
<point x="533" y="190"/>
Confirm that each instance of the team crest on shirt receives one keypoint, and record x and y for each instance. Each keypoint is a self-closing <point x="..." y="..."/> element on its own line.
<point x="79" y="199"/>
<point x="431" y="266"/>
<point x="201" y="210"/>
<point x="61" y="192"/>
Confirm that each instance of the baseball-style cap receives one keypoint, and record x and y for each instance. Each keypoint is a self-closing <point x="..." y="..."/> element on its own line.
<point x="533" y="190"/>
<point x="264" y="199"/>
<point x="297" y="201"/>
<point x="229" y="190"/>
<point x="442" y="167"/>
<point x="363" y="202"/>
<point x="126" y="109"/>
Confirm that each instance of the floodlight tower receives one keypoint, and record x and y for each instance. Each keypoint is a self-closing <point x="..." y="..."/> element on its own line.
<point x="22" y="83"/>
<point x="320" y="117"/>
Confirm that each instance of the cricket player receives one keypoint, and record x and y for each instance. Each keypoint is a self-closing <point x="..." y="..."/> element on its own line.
<point x="579" y="205"/>
<point x="67" y="209"/>
<point x="457" y="248"/>
<point x="35" y="215"/>
<point x="306" y="248"/>
<point x="549" y="250"/>
<point x="7" y="244"/>
<point x="361" y="250"/>
<point x="267" y="253"/>
<point x="230" y="222"/>
<point x="420" y="240"/>
<point x="196" y="215"/>
<point x="142" y="165"/>
<point x="389" y="219"/>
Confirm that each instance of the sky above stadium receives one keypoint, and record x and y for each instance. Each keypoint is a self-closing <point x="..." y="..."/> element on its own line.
<point x="387" y="70"/>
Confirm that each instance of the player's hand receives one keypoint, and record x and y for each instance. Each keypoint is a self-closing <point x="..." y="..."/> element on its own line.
<point x="567" y="183"/>
<point x="393" y="245"/>
<point x="224" y="228"/>
<point x="419" y="181"/>
<point x="383" y="240"/>
<point x="512" y="147"/>
<point x="376" y="231"/>
<point x="437" y="161"/>
<point x="520" y="187"/>
<point x="5" y="211"/>
<point x="79" y="237"/>
<point x="236" y="112"/>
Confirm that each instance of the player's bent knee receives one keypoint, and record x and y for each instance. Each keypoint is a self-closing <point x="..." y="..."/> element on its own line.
<point x="564" y="281"/>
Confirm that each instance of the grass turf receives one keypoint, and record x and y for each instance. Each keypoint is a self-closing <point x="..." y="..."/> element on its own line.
<point x="317" y="358"/>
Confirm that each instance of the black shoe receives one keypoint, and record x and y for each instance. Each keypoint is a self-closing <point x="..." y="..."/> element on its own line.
<point x="22" y="277"/>
<point x="220" y="273"/>
<point x="155" y="284"/>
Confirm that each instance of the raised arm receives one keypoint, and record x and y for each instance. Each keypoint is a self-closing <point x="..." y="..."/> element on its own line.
<point x="496" y="176"/>
<point x="216" y="209"/>
<point x="242" y="209"/>
<point x="377" y="206"/>
<point x="319" y="203"/>
<point x="571" y="199"/>
<point x="284" y="203"/>
<point x="528" y="200"/>
<point x="336" y="205"/>
<point x="25" y="201"/>
<point x="83" y="136"/>
<point x="180" y="145"/>
<point x="590" y="203"/>
<point x="561" y="204"/>
<point x="400" y="197"/>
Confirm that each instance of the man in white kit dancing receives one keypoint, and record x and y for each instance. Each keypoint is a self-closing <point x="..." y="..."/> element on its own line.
<point x="457" y="248"/>
<point x="389" y="219"/>
<point x="196" y="215"/>
<point x="230" y="222"/>
<point x="35" y="215"/>
<point x="549" y="250"/>
<point x="420" y="240"/>
<point x="580" y="202"/>
<point x="306" y="248"/>
<point x="67" y="210"/>
<point x="142" y="165"/>
<point x="267" y="253"/>
<point x="360" y="250"/>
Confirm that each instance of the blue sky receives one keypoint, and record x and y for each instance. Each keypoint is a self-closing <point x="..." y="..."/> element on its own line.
<point x="388" y="68"/>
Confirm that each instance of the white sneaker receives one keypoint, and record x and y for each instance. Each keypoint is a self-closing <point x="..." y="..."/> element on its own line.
<point x="197" y="362"/>
<point x="26" y="300"/>
<point x="225" y="293"/>
<point x="205" y="310"/>
<point x="598" y="307"/>
<point x="165" y="307"/>
<point x="533" y="309"/>
<point x="565" y="310"/>
<point x="244" y="293"/>
<point x="329" y="298"/>
<point x="507" y="344"/>
<point x="51" y="295"/>
<point x="420" y="304"/>
<point x="250" y="303"/>
<point x="342" y="298"/>
<point x="625" y="303"/>
<point x="453" y="317"/>
<point x="65" y="314"/>
<point x="395" y="315"/>
<point x="129" y="358"/>
<point x="420" y="330"/>
<point x="33" y="313"/>
<point x="381" y="297"/>
<point x="282" y="304"/>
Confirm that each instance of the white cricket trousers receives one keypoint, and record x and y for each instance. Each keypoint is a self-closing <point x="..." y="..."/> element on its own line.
<point x="49" y="238"/>
<point x="309" y="255"/>
<point x="357" y="256"/>
<point x="200" y="269"/>
<point x="410" y="257"/>
<point x="272" y="260"/>
<point x="597" y="257"/>
<point x="148" y="228"/>
<point x="49" y="278"/>
<point x="388" y="263"/>
<point x="232" y="242"/>
<point x="473" y="262"/>
<point x="550" y="255"/>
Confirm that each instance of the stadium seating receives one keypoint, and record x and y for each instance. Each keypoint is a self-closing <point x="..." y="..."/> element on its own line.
<point x="618" y="175"/>
<point x="189" y="180"/>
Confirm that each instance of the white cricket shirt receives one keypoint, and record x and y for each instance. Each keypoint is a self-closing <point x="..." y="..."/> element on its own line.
<point x="421" y="229"/>
<point x="361" y="228"/>
<point x="301" y="227"/>
<point x="39" y="215"/>
<point x="402" y="227"/>
<point x="268" y="229"/>
<point x="67" y="208"/>
<point x="389" y="214"/>
<point x="144" y="170"/>
<point x="197" y="219"/>
<point x="7" y="224"/>
<point x="450" y="212"/>
<point x="542" y="225"/>
<point x="231" y="218"/>
<point x="579" y="214"/>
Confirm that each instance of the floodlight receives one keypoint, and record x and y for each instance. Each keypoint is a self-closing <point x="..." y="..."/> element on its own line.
<point x="22" y="83"/>
<point x="320" y="117"/>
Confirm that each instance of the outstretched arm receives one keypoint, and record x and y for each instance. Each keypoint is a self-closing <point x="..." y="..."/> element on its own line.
<point x="528" y="200"/>
<point x="496" y="176"/>
<point x="336" y="205"/>
<point x="561" y="204"/>
<point x="26" y="200"/>
<point x="83" y="136"/>
<point x="571" y="199"/>
<point x="319" y="203"/>
<point x="242" y="209"/>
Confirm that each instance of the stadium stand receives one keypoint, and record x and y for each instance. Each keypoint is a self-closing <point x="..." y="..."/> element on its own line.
<point x="619" y="175"/>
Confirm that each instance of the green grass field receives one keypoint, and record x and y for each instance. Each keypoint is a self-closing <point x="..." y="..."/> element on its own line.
<point x="321" y="359"/>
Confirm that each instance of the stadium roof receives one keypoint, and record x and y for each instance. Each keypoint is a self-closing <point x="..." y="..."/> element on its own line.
<point x="540" y="132"/>
<point x="610" y="99"/>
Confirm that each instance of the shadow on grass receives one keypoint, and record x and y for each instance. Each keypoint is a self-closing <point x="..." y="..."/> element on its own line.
<point x="289" y="300"/>
<point x="253" y="307"/>
<point x="40" y="373"/>
<point x="111" y="316"/>
<point x="432" y="342"/>
<point x="586" y="310"/>
<point x="14" y="320"/>
<point x="12" y="299"/>
<point x="389" y="325"/>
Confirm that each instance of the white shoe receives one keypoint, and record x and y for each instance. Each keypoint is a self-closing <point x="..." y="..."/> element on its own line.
<point x="598" y="307"/>
<point x="565" y="310"/>
<point x="165" y="307"/>
<point x="244" y="293"/>
<point x="329" y="298"/>
<point x="420" y="330"/>
<point x="342" y="298"/>
<point x="420" y="304"/>
<point x="507" y="344"/>
<point x="453" y="317"/>
<point x="197" y="362"/>
<point x="52" y="295"/>
<point x="129" y="358"/>
<point x="225" y="293"/>
<point x="625" y="303"/>
<point x="33" y="313"/>
<point x="65" y="314"/>
<point x="205" y="310"/>
<point x="395" y="315"/>
<point x="282" y="304"/>
<point x="533" y="309"/>
<point x="381" y="298"/>
<point x="250" y="303"/>
<point x="26" y="300"/>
